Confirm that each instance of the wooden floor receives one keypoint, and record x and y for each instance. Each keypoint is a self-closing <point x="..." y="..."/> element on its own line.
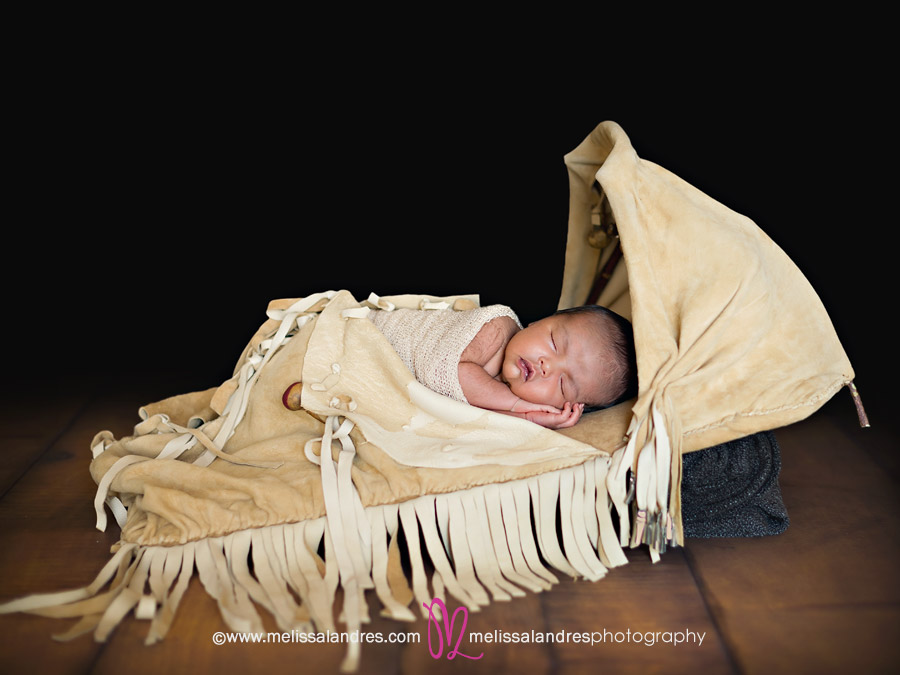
<point x="822" y="598"/>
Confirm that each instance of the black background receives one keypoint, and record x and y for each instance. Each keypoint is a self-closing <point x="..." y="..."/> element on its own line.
<point x="154" y="210"/>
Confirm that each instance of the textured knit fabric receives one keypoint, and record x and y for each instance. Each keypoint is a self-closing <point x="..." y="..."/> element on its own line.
<point x="431" y="341"/>
<point x="731" y="489"/>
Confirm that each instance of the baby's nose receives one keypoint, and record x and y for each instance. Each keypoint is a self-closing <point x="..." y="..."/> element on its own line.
<point x="546" y="366"/>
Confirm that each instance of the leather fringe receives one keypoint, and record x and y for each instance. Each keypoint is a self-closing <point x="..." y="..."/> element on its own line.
<point x="484" y="544"/>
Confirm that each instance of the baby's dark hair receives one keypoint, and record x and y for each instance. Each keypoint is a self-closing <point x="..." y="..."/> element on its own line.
<point x="622" y="375"/>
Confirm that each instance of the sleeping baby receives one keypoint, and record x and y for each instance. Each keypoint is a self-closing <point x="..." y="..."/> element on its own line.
<point x="549" y="372"/>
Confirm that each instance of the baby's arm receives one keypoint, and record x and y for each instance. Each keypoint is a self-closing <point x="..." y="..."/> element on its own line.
<point x="479" y="368"/>
<point x="480" y="364"/>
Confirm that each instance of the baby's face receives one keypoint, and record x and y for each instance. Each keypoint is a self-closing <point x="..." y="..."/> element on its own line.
<point x="555" y="360"/>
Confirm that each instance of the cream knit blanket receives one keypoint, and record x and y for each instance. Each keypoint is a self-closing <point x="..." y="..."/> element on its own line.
<point x="430" y="342"/>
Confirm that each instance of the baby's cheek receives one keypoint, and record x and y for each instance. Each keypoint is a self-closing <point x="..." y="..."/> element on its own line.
<point x="539" y="392"/>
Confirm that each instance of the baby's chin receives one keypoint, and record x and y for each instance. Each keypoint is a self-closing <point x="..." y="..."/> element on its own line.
<point x="515" y="386"/>
<point x="510" y="376"/>
<point x="519" y="394"/>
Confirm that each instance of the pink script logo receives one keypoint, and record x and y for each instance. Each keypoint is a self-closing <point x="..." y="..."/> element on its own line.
<point x="448" y="630"/>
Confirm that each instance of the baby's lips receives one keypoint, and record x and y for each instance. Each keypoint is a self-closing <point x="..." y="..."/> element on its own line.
<point x="523" y="369"/>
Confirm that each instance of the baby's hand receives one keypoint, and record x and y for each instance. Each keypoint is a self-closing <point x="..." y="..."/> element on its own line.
<point x="555" y="418"/>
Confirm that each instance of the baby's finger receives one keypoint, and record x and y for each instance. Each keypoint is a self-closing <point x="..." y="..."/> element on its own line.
<point x="570" y="419"/>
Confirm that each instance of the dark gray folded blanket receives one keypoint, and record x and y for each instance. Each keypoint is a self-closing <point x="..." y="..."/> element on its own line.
<point x="731" y="490"/>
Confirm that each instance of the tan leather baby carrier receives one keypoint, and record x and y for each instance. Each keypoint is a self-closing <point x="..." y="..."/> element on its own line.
<point x="300" y="473"/>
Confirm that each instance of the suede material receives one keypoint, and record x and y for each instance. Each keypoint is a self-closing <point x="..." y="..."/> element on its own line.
<point x="409" y="441"/>
<point x="731" y="339"/>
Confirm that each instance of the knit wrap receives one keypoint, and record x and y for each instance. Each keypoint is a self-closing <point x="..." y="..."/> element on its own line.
<point x="431" y="341"/>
